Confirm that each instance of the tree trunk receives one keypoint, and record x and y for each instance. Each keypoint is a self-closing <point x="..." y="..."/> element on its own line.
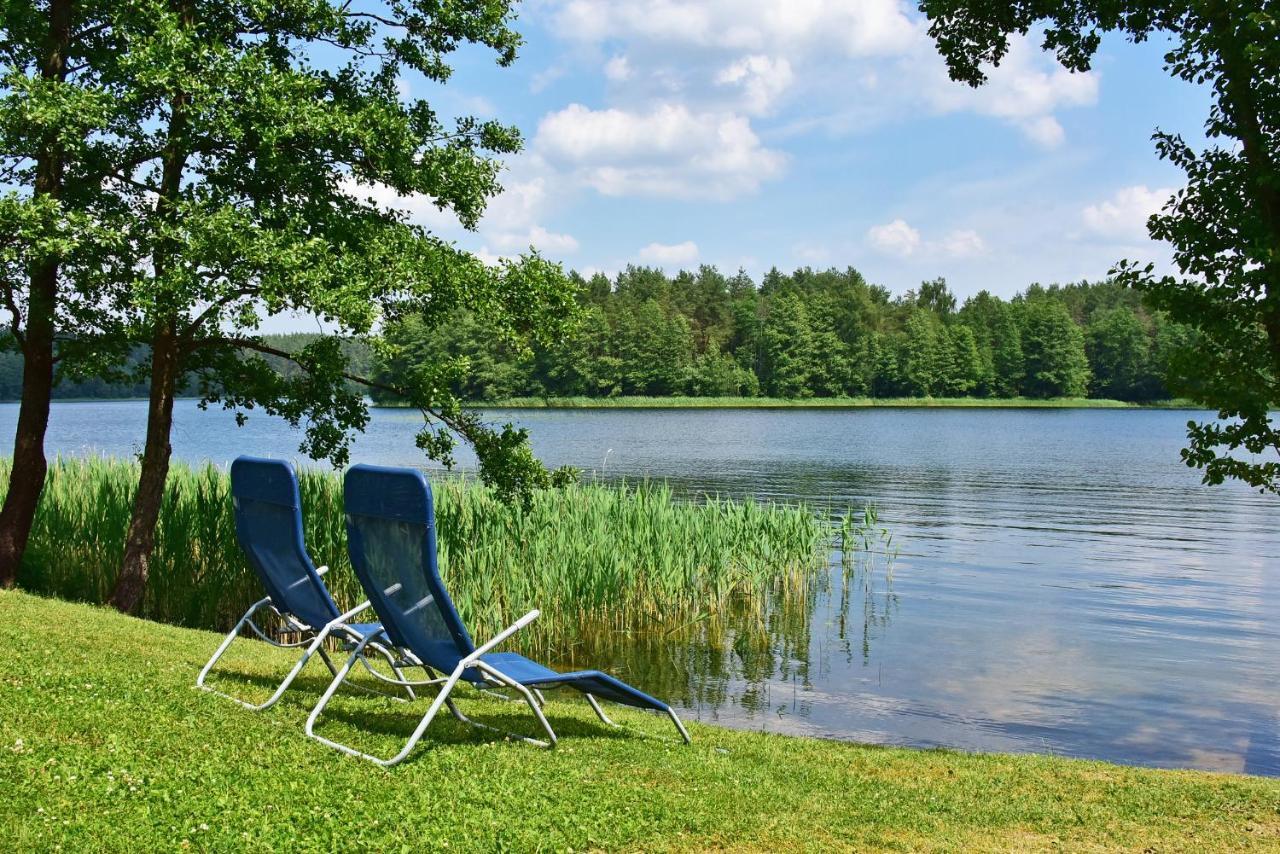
<point x="167" y="360"/>
<point x="26" y="478"/>
<point x="165" y="369"/>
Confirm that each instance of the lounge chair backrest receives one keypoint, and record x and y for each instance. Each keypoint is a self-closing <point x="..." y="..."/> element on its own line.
<point x="391" y="535"/>
<point x="268" y="514"/>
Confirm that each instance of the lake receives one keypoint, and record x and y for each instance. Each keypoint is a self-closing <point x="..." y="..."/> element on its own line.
<point x="1063" y="583"/>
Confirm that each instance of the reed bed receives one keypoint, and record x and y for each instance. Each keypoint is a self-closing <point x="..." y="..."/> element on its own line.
<point x="591" y="556"/>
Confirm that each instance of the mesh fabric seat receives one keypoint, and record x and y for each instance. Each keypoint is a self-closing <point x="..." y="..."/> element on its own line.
<point x="267" y="508"/>
<point x="391" y="538"/>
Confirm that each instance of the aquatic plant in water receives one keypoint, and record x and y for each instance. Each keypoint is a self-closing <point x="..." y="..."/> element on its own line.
<point x="597" y="559"/>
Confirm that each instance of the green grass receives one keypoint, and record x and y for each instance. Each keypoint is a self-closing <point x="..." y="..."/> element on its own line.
<point x="821" y="403"/>
<point x="106" y="746"/>
<point x="592" y="557"/>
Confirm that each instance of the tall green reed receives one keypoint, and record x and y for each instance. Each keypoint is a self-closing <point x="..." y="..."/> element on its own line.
<point x="616" y="559"/>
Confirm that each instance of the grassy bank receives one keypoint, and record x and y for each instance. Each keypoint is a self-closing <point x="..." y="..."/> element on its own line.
<point x="580" y="554"/>
<point x="108" y="747"/>
<point x="821" y="403"/>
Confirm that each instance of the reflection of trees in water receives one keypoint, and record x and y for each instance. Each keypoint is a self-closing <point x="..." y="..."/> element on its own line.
<point x="735" y="656"/>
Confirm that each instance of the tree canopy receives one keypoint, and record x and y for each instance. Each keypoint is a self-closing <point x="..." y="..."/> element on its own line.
<point x="234" y="157"/>
<point x="1224" y="225"/>
<point x="812" y="333"/>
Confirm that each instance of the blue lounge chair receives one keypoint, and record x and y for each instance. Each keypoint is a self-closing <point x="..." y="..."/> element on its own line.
<point x="268" y="517"/>
<point x="392" y="540"/>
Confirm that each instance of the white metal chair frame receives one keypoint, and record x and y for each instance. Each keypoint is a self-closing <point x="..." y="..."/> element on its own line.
<point x="314" y="643"/>
<point x="532" y="696"/>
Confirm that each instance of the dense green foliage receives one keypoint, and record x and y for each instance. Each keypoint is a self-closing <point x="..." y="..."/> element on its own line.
<point x="814" y="335"/>
<point x="580" y="553"/>
<point x="108" y="747"/>
<point x="811" y="335"/>
<point x="1223" y="225"/>
<point x="176" y="171"/>
<point x="257" y="139"/>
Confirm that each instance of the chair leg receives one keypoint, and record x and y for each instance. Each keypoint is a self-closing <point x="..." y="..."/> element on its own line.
<point x="226" y="642"/>
<point x="675" y="719"/>
<point x="441" y="699"/>
<point x="328" y="662"/>
<point x="499" y="676"/>
<point x="316" y="644"/>
<point x="595" y="707"/>
<point x="395" y="668"/>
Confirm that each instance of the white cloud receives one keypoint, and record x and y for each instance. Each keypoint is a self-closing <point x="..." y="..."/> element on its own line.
<point x="1025" y="90"/>
<point x="418" y="208"/>
<point x="1123" y="217"/>
<point x="963" y="243"/>
<point x="674" y="255"/>
<point x="539" y="238"/>
<point x="898" y="238"/>
<point x="1045" y="131"/>
<point x="854" y="64"/>
<point x="760" y="78"/>
<point x="668" y="150"/>
<point x="618" y="69"/>
<point x="510" y="224"/>
<point x="895" y="238"/>
<point x="868" y="27"/>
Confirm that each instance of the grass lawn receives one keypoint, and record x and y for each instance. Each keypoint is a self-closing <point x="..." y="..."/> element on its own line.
<point x="820" y="403"/>
<point x="105" y="745"/>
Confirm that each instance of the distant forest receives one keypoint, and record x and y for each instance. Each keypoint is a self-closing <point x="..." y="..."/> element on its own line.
<point x="808" y="334"/>
<point x="820" y="334"/>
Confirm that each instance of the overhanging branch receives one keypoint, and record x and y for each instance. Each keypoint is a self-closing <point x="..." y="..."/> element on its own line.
<point x="399" y="391"/>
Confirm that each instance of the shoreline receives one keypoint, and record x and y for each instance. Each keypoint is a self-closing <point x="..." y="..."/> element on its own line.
<point x="823" y="403"/>
<point x="684" y="402"/>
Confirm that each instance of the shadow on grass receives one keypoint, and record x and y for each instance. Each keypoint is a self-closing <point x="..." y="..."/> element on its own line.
<point x="356" y="712"/>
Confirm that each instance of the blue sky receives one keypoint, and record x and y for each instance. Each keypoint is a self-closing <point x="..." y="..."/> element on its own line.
<point x="814" y="133"/>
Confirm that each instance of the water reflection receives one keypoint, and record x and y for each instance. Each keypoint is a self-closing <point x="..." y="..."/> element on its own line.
<point x="1064" y="583"/>
<point x="764" y="656"/>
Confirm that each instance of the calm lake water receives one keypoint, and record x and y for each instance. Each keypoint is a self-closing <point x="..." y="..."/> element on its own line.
<point x="1064" y="583"/>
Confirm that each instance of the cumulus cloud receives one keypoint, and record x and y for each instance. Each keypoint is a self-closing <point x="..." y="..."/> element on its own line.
<point x="1045" y="131"/>
<point x="1124" y="216"/>
<point x="867" y="27"/>
<point x="510" y="224"/>
<point x="673" y="255"/>
<point x="667" y="150"/>
<point x="618" y="69"/>
<point x="895" y="238"/>
<point x="900" y="239"/>
<point x="417" y="208"/>
<point x="750" y="55"/>
<point x="1025" y="90"/>
<point x="760" y="78"/>
<point x="963" y="243"/>
<point x="538" y="238"/>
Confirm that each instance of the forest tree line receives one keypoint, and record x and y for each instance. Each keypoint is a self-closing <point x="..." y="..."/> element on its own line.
<point x="807" y="334"/>
<point x="816" y="334"/>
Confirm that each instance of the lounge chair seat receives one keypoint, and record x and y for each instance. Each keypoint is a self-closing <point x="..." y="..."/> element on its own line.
<point x="268" y="519"/>
<point x="531" y="674"/>
<point x="391" y="538"/>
